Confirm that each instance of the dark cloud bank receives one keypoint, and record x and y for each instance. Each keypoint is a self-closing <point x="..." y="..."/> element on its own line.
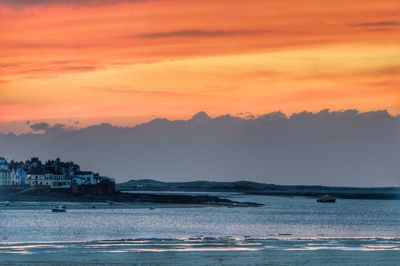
<point x="331" y="148"/>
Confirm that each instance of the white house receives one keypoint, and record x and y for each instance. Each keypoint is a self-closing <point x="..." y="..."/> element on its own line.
<point x="36" y="177"/>
<point x="5" y="173"/>
<point x="18" y="176"/>
<point x="5" y="177"/>
<point x="57" y="180"/>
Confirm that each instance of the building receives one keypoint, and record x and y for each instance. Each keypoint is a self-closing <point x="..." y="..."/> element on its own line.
<point x="53" y="174"/>
<point x="5" y="173"/>
<point x="3" y="164"/>
<point x="5" y="178"/>
<point x="18" y="174"/>
<point x="57" y="180"/>
<point x="36" y="177"/>
<point x="11" y="174"/>
<point x="86" y="178"/>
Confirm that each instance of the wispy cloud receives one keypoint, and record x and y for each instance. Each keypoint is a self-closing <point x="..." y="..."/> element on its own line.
<point x="388" y="23"/>
<point x="159" y="93"/>
<point x="389" y="70"/>
<point x="194" y="33"/>
<point x="27" y="3"/>
<point x="50" y="67"/>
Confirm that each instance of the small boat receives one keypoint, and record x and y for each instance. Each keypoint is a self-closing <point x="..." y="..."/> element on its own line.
<point x="326" y="199"/>
<point x="61" y="208"/>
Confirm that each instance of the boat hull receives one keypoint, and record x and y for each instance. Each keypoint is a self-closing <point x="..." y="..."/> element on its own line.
<point x="58" y="210"/>
<point x="326" y="200"/>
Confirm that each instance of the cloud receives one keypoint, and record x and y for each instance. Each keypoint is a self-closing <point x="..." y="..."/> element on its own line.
<point x="39" y="126"/>
<point x="345" y="148"/>
<point x="158" y="93"/>
<point x="47" y="128"/>
<point x="35" y="69"/>
<point x="388" y="23"/>
<point x="27" y="3"/>
<point x="389" y="70"/>
<point x="194" y="33"/>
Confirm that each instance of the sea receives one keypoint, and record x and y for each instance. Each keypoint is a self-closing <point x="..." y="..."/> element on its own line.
<point x="285" y="231"/>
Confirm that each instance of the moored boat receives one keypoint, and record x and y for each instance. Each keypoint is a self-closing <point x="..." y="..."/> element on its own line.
<point x="61" y="208"/>
<point x="326" y="199"/>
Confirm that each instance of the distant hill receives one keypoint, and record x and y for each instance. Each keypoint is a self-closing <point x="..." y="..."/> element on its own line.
<point x="144" y="184"/>
<point x="255" y="188"/>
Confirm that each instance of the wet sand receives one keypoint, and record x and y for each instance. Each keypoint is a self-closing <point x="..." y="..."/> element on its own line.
<point x="39" y="200"/>
<point x="43" y="205"/>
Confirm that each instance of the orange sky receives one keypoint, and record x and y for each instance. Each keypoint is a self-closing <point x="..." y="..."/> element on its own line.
<point x="101" y="58"/>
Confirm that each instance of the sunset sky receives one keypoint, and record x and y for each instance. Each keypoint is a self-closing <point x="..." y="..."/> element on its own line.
<point x="95" y="59"/>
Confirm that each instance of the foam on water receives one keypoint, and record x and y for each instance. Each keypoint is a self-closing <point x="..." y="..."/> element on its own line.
<point x="207" y="244"/>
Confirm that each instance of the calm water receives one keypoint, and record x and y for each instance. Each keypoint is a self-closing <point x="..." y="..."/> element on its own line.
<point x="287" y="224"/>
<point x="298" y="217"/>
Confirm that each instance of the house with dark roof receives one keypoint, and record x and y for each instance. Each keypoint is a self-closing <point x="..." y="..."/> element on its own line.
<point x="36" y="176"/>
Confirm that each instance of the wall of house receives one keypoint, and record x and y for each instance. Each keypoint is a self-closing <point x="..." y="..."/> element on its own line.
<point x="5" y="178"/>
<point x="36" y="180"/>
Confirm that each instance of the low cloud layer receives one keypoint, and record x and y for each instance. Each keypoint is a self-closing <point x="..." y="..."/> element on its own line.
<point x="345" y="148"/>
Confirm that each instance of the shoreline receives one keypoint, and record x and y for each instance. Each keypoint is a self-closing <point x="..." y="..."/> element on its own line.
<point x="48" y="205"/>
<point x="46" y="200"/>
<point x="115" y="201"/>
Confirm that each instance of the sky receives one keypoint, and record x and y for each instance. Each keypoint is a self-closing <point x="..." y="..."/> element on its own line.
<point x="123" y="61"/>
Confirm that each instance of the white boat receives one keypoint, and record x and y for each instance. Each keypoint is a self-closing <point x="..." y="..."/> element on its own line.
<point x="60" y="208"/>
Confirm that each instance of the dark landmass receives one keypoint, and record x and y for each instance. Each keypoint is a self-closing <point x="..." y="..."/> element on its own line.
<point x="41" y="195"/>
<point x="254" y="188"/>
